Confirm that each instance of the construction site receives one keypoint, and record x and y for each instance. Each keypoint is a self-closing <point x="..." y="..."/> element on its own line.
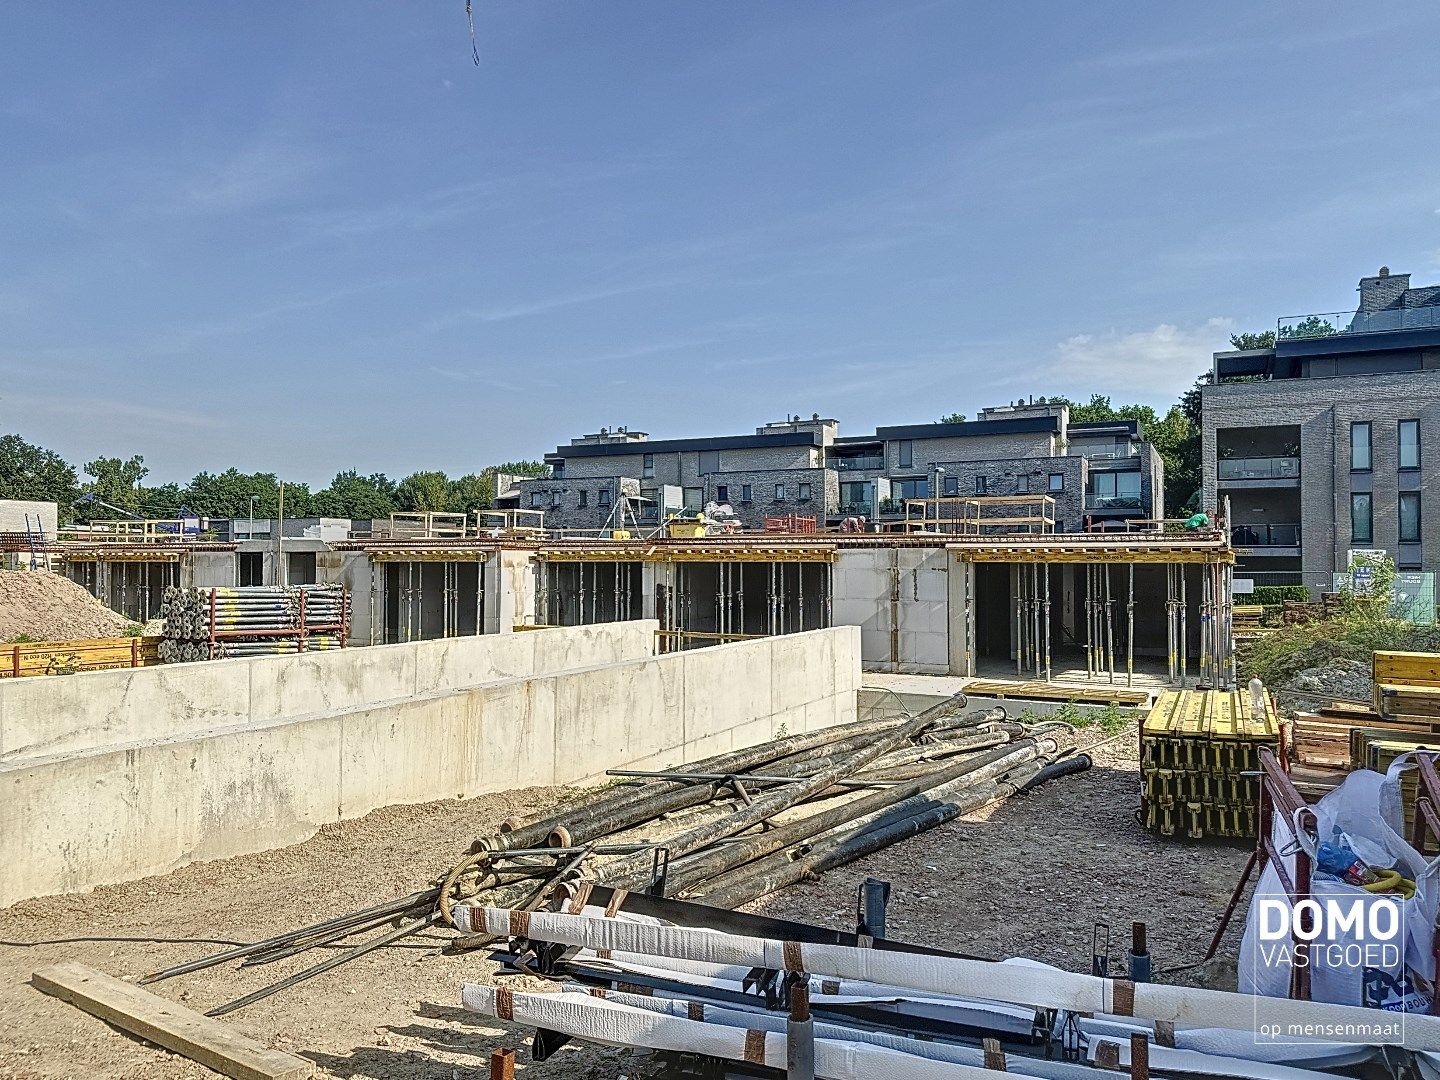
<point x="470" y="797"/>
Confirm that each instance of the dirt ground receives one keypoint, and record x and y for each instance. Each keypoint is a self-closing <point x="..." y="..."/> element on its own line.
<point x="1029" y="877"/>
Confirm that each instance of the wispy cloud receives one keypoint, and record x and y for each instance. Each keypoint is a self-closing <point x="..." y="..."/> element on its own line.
<point x="110" y="412"/>
<point x="1153" y="366"/>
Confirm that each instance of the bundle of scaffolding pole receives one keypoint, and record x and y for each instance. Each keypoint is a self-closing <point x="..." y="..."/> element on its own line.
<point x="256" y="620"/>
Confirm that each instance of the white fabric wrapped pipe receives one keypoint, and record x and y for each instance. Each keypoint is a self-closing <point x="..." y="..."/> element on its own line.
<point x="1019" y="984"/>
<point x="598" y="1020"/>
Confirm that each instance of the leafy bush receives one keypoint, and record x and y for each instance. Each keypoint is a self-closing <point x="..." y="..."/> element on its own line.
<point x="1274" y="595"/>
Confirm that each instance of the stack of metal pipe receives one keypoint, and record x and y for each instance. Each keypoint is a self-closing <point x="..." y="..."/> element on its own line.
<point x="724" y="830"/>
<point x="256" y="620"/>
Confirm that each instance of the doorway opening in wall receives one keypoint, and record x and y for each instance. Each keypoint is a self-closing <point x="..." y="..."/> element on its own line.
<point x="589" y="591"/>
<point x="708" y="603"/>
<point x="301" y="568"/>
<point x="425" y="600"/>
<point x="252" y="568"/>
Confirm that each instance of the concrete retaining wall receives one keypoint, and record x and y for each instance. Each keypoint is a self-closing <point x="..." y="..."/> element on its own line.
<point x="77" y="820"/>
<point x="63" y="714"/>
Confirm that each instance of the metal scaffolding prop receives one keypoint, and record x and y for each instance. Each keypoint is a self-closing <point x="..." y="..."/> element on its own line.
<point x="256" y="620"/>
<point x="722" y="831"/>
<point x="425" y="599"/>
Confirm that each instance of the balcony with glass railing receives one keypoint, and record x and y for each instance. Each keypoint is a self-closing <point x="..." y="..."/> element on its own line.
<point x="855" y="462"/>
<point x="855" y="509"/>
<point x="1111" y="502"/>
<point x="1258" y="468"/>
<point x="1262" y="535"/>
<point x="1330" y="323"/>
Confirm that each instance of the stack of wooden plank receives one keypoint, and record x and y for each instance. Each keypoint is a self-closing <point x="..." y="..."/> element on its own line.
<point x="1194" y="746"/>
<point x="67" y="657"/>
<point x="1406" y="684"/>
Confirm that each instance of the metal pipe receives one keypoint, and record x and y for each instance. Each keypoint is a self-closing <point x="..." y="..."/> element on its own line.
<point x="1130" y="631"/>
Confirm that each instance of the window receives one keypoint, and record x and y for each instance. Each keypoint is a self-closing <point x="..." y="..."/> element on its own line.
<point x="709" y="461"/>
<point x="722" y="493"/>
<point x="981" y="485"/>
<point x="1022" y="483"/>
<point x="555" y="499"/>
<point x="909" y="489"/>
<point x="537" y="500"/>
<point x="1409" y="444"/>
<point x="952" y="485"/>
<point x="1360" y="447"/>
<point x="647" y="465"/>
<point x="803" y="492"/>
<point x="694" y="498"/>
<point x="1361" y="524"/>
<point x="779" y="492"/>
<point x="747" y="493"/>
<point x="603" y="498"/>
<point x="584" y="498"/>
<point x="557" y="469"/>
<point x="1409" y="517"/>
<point x="906" y="451"/>
<point x="1057" y="481"/>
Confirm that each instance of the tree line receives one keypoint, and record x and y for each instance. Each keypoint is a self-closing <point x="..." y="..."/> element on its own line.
<point x="115" y="488"/>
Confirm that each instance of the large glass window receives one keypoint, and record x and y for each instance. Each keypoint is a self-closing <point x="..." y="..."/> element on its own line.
<point x="1409" y="444"/>
<point x="906" y="451"/>
<point x="709" y="461"/>
<point x="1361" y="518"/>
<point x="909" y="489"/>
<point x="1409" y="517"/>
<point x="1360" y="446"/>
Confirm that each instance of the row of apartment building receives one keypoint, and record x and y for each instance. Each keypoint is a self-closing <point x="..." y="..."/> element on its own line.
<point x="1328" y="442"/>
<point x="1096" y="474"/>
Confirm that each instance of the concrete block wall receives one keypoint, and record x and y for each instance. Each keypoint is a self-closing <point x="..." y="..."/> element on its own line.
<point x="76" y="713"/>
<point x="900" y="600"/>
<point x="116" y="813"/>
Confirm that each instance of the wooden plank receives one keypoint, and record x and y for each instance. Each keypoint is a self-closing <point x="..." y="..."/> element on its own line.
<point x="157" y="1020"/>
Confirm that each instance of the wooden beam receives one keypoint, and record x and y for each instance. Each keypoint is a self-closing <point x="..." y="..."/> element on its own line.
<point x="210" y="1042"/>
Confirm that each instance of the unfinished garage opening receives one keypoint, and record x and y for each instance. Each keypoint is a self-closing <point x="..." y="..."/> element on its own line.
<point x="433" y="599"/>
<point x="251" y="566"/>
<point x="134" y="588"/>
<point x="707" y="602"/>
<point x="590" y="591"/>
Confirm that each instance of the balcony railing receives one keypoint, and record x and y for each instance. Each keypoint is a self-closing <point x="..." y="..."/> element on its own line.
<point x="1111" y="502"/>
<point x="1265" y="535"/>
<point x="863" y="461"/>
<point x="1329" y="323"/>
<point x="1259" y="468"/>
<point x="855" y="509"/>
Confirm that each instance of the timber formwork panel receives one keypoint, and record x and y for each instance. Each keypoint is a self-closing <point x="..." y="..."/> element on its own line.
<point x="1194" y="747"/>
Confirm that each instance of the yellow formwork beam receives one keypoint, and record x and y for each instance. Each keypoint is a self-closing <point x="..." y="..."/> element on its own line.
<point x="1090" y="555"/>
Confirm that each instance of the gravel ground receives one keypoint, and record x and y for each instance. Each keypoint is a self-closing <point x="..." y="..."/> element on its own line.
<point x="1029" y="877"/>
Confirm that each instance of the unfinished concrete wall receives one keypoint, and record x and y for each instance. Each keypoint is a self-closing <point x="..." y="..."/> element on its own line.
<point x="900" y="599"/>
<point x="74" y="821"/>
<point x="71" y="713"/>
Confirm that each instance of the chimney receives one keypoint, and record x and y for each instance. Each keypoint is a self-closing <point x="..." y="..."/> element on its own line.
<point x="1384" y="290"/>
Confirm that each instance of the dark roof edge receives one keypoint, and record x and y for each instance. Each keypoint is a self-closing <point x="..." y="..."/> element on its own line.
<point x="1009" y="426"/>
<point x="672" y="446"/>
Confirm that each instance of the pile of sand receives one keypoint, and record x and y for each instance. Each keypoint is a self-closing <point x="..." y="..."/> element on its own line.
<point x="45" y="606"/>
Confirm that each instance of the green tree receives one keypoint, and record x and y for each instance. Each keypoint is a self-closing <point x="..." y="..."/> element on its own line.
<point x="474" y="491"/>
<point x="227" y="495"/>
<point x="1265" y="339"/>
<point x="1168" y="433"/>
<point x="424" y="491"/>
<point x="162" y="501"/>
<point x="520" y="468"/>
<point x="1314" y="326"/>
<point x="351" y="495"/>
<point x="952" y="418"/>
<point x="31" y="472"/>
<point x="116" y="482"/>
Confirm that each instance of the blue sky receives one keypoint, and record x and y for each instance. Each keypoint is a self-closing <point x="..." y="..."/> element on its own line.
<point x="306" y="237"/>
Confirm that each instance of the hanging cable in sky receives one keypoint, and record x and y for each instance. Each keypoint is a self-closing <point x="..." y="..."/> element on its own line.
<point x="474" y="48"/>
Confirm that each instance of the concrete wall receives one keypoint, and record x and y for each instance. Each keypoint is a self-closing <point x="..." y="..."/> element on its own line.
<point x="74" y="821"/>
<point x="72" y="713"/>
<point x="13" y="513"/>
<point x="900" y="600"/>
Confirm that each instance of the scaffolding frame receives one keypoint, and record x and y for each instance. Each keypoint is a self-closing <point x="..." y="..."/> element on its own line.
<point x="971" y="519"/>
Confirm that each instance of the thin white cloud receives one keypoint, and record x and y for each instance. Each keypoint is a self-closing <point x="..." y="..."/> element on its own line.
<point x="109" y="412"/>
<point x="1150" y="366"/>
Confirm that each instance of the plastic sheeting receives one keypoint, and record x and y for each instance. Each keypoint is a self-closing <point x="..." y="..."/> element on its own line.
<point x="1018" y="984"/>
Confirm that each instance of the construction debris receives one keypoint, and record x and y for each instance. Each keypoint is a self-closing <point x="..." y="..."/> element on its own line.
<point x="257" y="620"/>
<point x="724" y="830"/>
